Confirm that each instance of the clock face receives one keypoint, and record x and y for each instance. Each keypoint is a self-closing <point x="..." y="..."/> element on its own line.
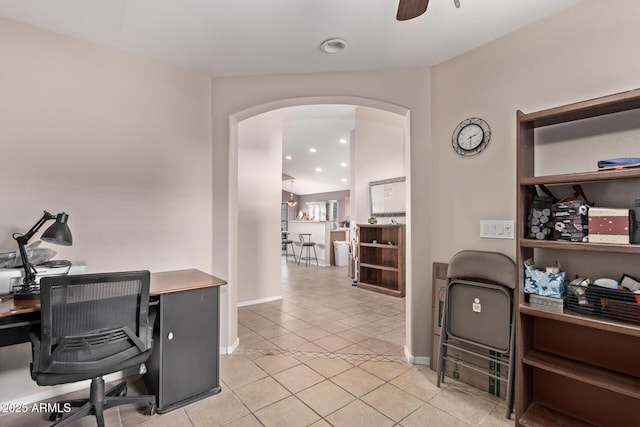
<point x="471" y="136"/>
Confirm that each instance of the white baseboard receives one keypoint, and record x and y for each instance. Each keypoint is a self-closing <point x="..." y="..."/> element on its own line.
<point x="416" y="360"/>
<point x="55" y="391"/>
<point x="259" y="301"/>
<point x="231" y="348"/>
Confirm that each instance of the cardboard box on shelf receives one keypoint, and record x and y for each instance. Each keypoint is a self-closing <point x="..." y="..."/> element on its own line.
<point x="610" y="225"/>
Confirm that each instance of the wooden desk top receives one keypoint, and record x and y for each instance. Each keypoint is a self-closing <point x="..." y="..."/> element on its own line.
<point x="166" y="282"/>
<point x="169" y="282"/>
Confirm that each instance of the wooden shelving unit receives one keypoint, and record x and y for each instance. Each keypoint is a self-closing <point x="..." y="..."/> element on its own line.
<point x="381" y="264"/>
<point x="573" y="369"/>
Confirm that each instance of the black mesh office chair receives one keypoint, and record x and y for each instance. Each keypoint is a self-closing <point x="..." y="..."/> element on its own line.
<point x="93" y="325"/>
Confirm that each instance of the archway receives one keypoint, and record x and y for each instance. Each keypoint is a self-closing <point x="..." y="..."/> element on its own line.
<point x="237" y="204"/>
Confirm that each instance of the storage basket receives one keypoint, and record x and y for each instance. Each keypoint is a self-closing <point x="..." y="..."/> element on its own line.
<point x="545" y="284"/>
<point x="595" y="300"/>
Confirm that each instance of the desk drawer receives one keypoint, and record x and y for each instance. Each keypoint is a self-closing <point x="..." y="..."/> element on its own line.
<point x="15" y="329"/>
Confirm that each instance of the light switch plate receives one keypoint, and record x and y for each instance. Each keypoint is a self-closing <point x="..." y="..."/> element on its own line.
<point x="496" y="229"/>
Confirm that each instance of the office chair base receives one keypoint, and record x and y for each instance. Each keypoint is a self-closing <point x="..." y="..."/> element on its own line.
<point x="99" y="401"/>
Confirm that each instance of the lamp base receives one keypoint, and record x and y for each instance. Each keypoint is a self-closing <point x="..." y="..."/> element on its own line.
<point x="25" y="298"/>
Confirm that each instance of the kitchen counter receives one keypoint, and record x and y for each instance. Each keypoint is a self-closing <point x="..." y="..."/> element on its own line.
<point x="320" y="234"/>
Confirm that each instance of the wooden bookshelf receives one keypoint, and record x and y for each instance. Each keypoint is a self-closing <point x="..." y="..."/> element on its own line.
<point x="381" y="260"/>
<point x="573" y="369"/>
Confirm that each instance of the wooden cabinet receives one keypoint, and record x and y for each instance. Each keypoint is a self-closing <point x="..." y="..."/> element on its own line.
<point x="575" y="369"/>
<point x="381" y="260"/>
<point x="184" y="365"/>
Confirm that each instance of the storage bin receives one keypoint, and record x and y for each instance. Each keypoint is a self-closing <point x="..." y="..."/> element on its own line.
<point x="544" y="284"/>
<point x="341" y="249"/>
<point x="611" y="303"/>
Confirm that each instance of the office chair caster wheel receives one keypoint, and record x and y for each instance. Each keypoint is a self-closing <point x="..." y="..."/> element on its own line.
<point x="151" y="409"/>
<point x="123" y="392"/>
<point x="55" y="416"/>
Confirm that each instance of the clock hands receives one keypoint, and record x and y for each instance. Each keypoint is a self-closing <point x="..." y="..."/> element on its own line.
<point x="473" y="136"/>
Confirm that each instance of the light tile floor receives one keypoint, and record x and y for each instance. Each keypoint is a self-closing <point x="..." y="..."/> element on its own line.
<point x="326" y="354"/>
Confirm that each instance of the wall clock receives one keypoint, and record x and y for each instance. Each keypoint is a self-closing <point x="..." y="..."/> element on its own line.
<point x="471" y="136"/>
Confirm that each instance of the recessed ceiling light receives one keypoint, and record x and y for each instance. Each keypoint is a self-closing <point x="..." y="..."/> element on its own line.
<point x="344" y="179"/>
<point x="343" y="141"/>
<point x="287" y="157"/>
<point x="333" y="45"/>
<point x="313" y="150"/>
<point x="343" y="164"/>
<point x="318" y="169"/>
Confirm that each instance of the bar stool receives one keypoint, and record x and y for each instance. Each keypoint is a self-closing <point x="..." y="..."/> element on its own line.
<point x="285" y="245"/>
<point x="305" y="240"/>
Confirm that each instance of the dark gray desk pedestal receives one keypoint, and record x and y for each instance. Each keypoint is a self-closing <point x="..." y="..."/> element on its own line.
<point x="184" y="364"/>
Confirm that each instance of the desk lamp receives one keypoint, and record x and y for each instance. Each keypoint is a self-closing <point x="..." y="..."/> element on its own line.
<point x="57" y="233"/>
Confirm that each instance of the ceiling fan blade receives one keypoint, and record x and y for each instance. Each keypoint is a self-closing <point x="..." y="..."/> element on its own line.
<point x="409" y="9"/>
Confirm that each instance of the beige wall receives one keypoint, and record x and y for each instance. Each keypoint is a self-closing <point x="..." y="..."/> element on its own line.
<point x="584" y="52"/>
<point x="378" y="153"/>
<point x="122" y="144"/>
<point x="258" y="216"/>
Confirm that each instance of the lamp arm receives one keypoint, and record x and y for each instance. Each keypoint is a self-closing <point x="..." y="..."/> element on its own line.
<point x="46" y="216"/>
<point x="29" y="274"/>
<point x="23" y="239"/>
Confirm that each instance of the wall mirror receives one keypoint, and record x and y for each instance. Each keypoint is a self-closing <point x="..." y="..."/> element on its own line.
<point x="387" y="197"/>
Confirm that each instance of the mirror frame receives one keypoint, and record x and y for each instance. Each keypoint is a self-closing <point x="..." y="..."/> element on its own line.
<point x="393" y="190"/>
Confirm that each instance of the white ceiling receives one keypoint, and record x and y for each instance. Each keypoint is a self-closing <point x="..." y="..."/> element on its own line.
<point x="320" y="127"/>
<point x="243" y="37"/>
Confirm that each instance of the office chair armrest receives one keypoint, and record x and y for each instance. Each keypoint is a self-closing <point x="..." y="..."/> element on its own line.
<point x="35" y="349"/>
<point x="150" y="325"/>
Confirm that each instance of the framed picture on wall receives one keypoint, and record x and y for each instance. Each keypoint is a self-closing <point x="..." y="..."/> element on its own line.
<point x="387" y="197"/>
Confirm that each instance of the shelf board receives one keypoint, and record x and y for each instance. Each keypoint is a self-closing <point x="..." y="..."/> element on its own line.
<point x="379" y="245"/>
<point x="381" y="288"/>
<point x="540" y="416"/>
<point x="379" y="267"/>
<point x="582" y="320"/>
<point x="579" y="246"/>
<point x="609" y="104"/>
<point x="598" y="377"/>
<point x="582" y="177"/>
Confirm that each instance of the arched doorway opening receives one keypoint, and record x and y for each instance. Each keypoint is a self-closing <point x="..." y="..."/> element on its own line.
<point x="255" y="166"/>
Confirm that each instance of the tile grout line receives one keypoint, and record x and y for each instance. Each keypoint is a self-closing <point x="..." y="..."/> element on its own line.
<point x="358" y="357"/>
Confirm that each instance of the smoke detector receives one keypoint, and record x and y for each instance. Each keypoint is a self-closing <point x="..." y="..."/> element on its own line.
<point x="333" y="45"/>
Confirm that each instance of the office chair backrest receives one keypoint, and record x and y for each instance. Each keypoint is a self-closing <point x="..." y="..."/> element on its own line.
<point x="92" y="322"/>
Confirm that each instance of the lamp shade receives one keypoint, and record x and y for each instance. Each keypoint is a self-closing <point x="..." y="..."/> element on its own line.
<point x="59" y="232"/>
